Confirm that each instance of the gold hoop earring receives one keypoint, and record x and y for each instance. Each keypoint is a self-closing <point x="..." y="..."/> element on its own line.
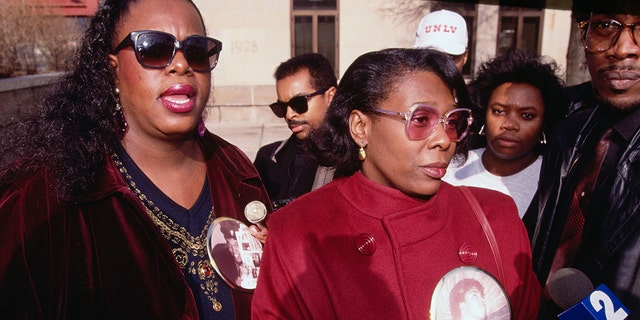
<point x="543" y="139"/>
<point x="362" y="154"/>
<point x="481" y="132"/>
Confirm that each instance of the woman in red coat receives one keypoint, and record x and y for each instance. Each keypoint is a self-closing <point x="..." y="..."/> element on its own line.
<point x="388" y="239"/>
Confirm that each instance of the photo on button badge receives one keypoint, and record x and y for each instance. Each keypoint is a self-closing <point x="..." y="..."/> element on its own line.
<point x="234" y="253"/>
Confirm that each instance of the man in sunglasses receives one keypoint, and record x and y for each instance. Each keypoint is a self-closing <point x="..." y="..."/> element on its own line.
<point x="587" y="211"/>
<point x="305" y="85"/>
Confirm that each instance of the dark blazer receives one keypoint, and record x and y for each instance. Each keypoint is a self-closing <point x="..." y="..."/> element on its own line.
<point x="104" y="257"/>
<point x="275" y="164"/>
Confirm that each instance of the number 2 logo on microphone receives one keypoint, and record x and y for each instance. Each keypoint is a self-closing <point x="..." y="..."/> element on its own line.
<point x="603" y="300"/>
<point x="601" y="304"/>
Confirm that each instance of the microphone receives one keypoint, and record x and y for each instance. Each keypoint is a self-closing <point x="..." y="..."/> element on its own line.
<point x="568" y="286"/>
<point x="572" y="290"/>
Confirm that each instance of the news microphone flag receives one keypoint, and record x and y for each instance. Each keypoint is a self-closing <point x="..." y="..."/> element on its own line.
<point x="600" y="304"/>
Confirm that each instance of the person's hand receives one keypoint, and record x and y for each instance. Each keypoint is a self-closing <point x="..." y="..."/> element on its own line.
<point x="259" y="231"/>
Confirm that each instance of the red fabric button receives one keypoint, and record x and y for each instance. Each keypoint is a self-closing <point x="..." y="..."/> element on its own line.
<point x="467" y="253"/>
<point x="366" y="244"/>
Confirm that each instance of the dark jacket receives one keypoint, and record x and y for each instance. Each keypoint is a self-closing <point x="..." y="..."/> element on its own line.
<point x="579" y="96"/>
<point x="286" y="178"/>
<point x="104" y="258"/>
<point x="610" y="248"/>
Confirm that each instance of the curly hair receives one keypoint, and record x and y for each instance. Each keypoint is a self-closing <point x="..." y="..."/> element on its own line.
<point x="368" y="81"/>
<point x="521" y="66"/>
<point x="74" y="127"/>
<point x="320" y="70"/>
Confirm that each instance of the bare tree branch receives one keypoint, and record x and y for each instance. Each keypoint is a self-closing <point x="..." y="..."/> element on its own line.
<point x="33" y="40"/>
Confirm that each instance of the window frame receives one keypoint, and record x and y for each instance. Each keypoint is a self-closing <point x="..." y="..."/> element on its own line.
<point x="315" y="13"/>
<point x="521" y="14"/>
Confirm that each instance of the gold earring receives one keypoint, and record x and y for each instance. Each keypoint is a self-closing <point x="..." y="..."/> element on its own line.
<point x="120" y="122"/>
<point x="481" y="132"/>
<point x="543" y="139"/>
<point x="362" y="154"/>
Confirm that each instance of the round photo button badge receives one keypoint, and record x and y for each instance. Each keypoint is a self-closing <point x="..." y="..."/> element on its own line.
<point x="255" y="211"/>
<point x="234" y="253"/>
<point x="469" y="293"/>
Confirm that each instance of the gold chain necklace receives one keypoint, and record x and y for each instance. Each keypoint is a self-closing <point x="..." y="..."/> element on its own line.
<point x="185" y="242"/>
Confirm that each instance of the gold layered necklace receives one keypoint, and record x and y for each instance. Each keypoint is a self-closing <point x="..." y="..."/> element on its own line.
<point x="182" y="241"/>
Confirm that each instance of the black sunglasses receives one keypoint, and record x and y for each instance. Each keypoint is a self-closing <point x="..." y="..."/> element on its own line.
<point x="298" y="104"/>
<point x="156" y="49"/>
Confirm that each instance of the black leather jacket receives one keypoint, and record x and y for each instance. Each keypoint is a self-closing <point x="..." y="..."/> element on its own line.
<point x="610" y="248"/>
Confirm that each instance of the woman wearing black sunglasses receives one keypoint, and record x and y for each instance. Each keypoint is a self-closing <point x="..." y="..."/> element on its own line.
<point x="376" y="242"/>
<point x="106" y="196"/>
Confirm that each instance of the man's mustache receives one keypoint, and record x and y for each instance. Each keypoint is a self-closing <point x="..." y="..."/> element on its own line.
<point x="619" y="68"/>
<point x="296" y="122"/>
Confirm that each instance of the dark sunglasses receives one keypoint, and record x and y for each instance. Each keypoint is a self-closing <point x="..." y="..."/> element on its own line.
<point x="422" y="120"/>
<point x="156" y="49"/>
<point x="298" y="104"/>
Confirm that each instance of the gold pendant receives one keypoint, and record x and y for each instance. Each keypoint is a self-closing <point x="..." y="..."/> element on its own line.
<point x="217" y="306"/>
<point x="205" y="270"/>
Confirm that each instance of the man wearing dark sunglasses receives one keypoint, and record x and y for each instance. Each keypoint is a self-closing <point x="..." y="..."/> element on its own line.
<point x="305" y="85"/>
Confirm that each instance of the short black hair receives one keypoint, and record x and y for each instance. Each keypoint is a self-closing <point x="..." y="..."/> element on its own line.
<point x="582" y="9"/>
<point x="320" y="70"/>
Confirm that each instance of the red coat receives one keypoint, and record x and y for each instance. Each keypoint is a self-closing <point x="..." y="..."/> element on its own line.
<point x="312" y="268"/>
<point x="104" y="257"/>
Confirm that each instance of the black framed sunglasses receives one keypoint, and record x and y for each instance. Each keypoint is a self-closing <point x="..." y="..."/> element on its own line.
<point x="156" y="49"/>
<point x="298" y="104"/>
<point x="422" y="120"/>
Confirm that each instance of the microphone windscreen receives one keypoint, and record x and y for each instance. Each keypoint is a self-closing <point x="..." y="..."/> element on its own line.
<point x="568" y="286"/>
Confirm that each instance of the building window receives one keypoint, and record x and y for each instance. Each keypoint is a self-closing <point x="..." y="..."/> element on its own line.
<point x="315" y="28"/>
<point x="519" y="28"/>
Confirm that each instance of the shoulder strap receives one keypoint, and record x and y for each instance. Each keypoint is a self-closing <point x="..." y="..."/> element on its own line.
<point x="486" y="227"/>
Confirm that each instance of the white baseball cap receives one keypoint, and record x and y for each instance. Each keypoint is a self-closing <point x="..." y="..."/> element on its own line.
<point x="443" y="30"/>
